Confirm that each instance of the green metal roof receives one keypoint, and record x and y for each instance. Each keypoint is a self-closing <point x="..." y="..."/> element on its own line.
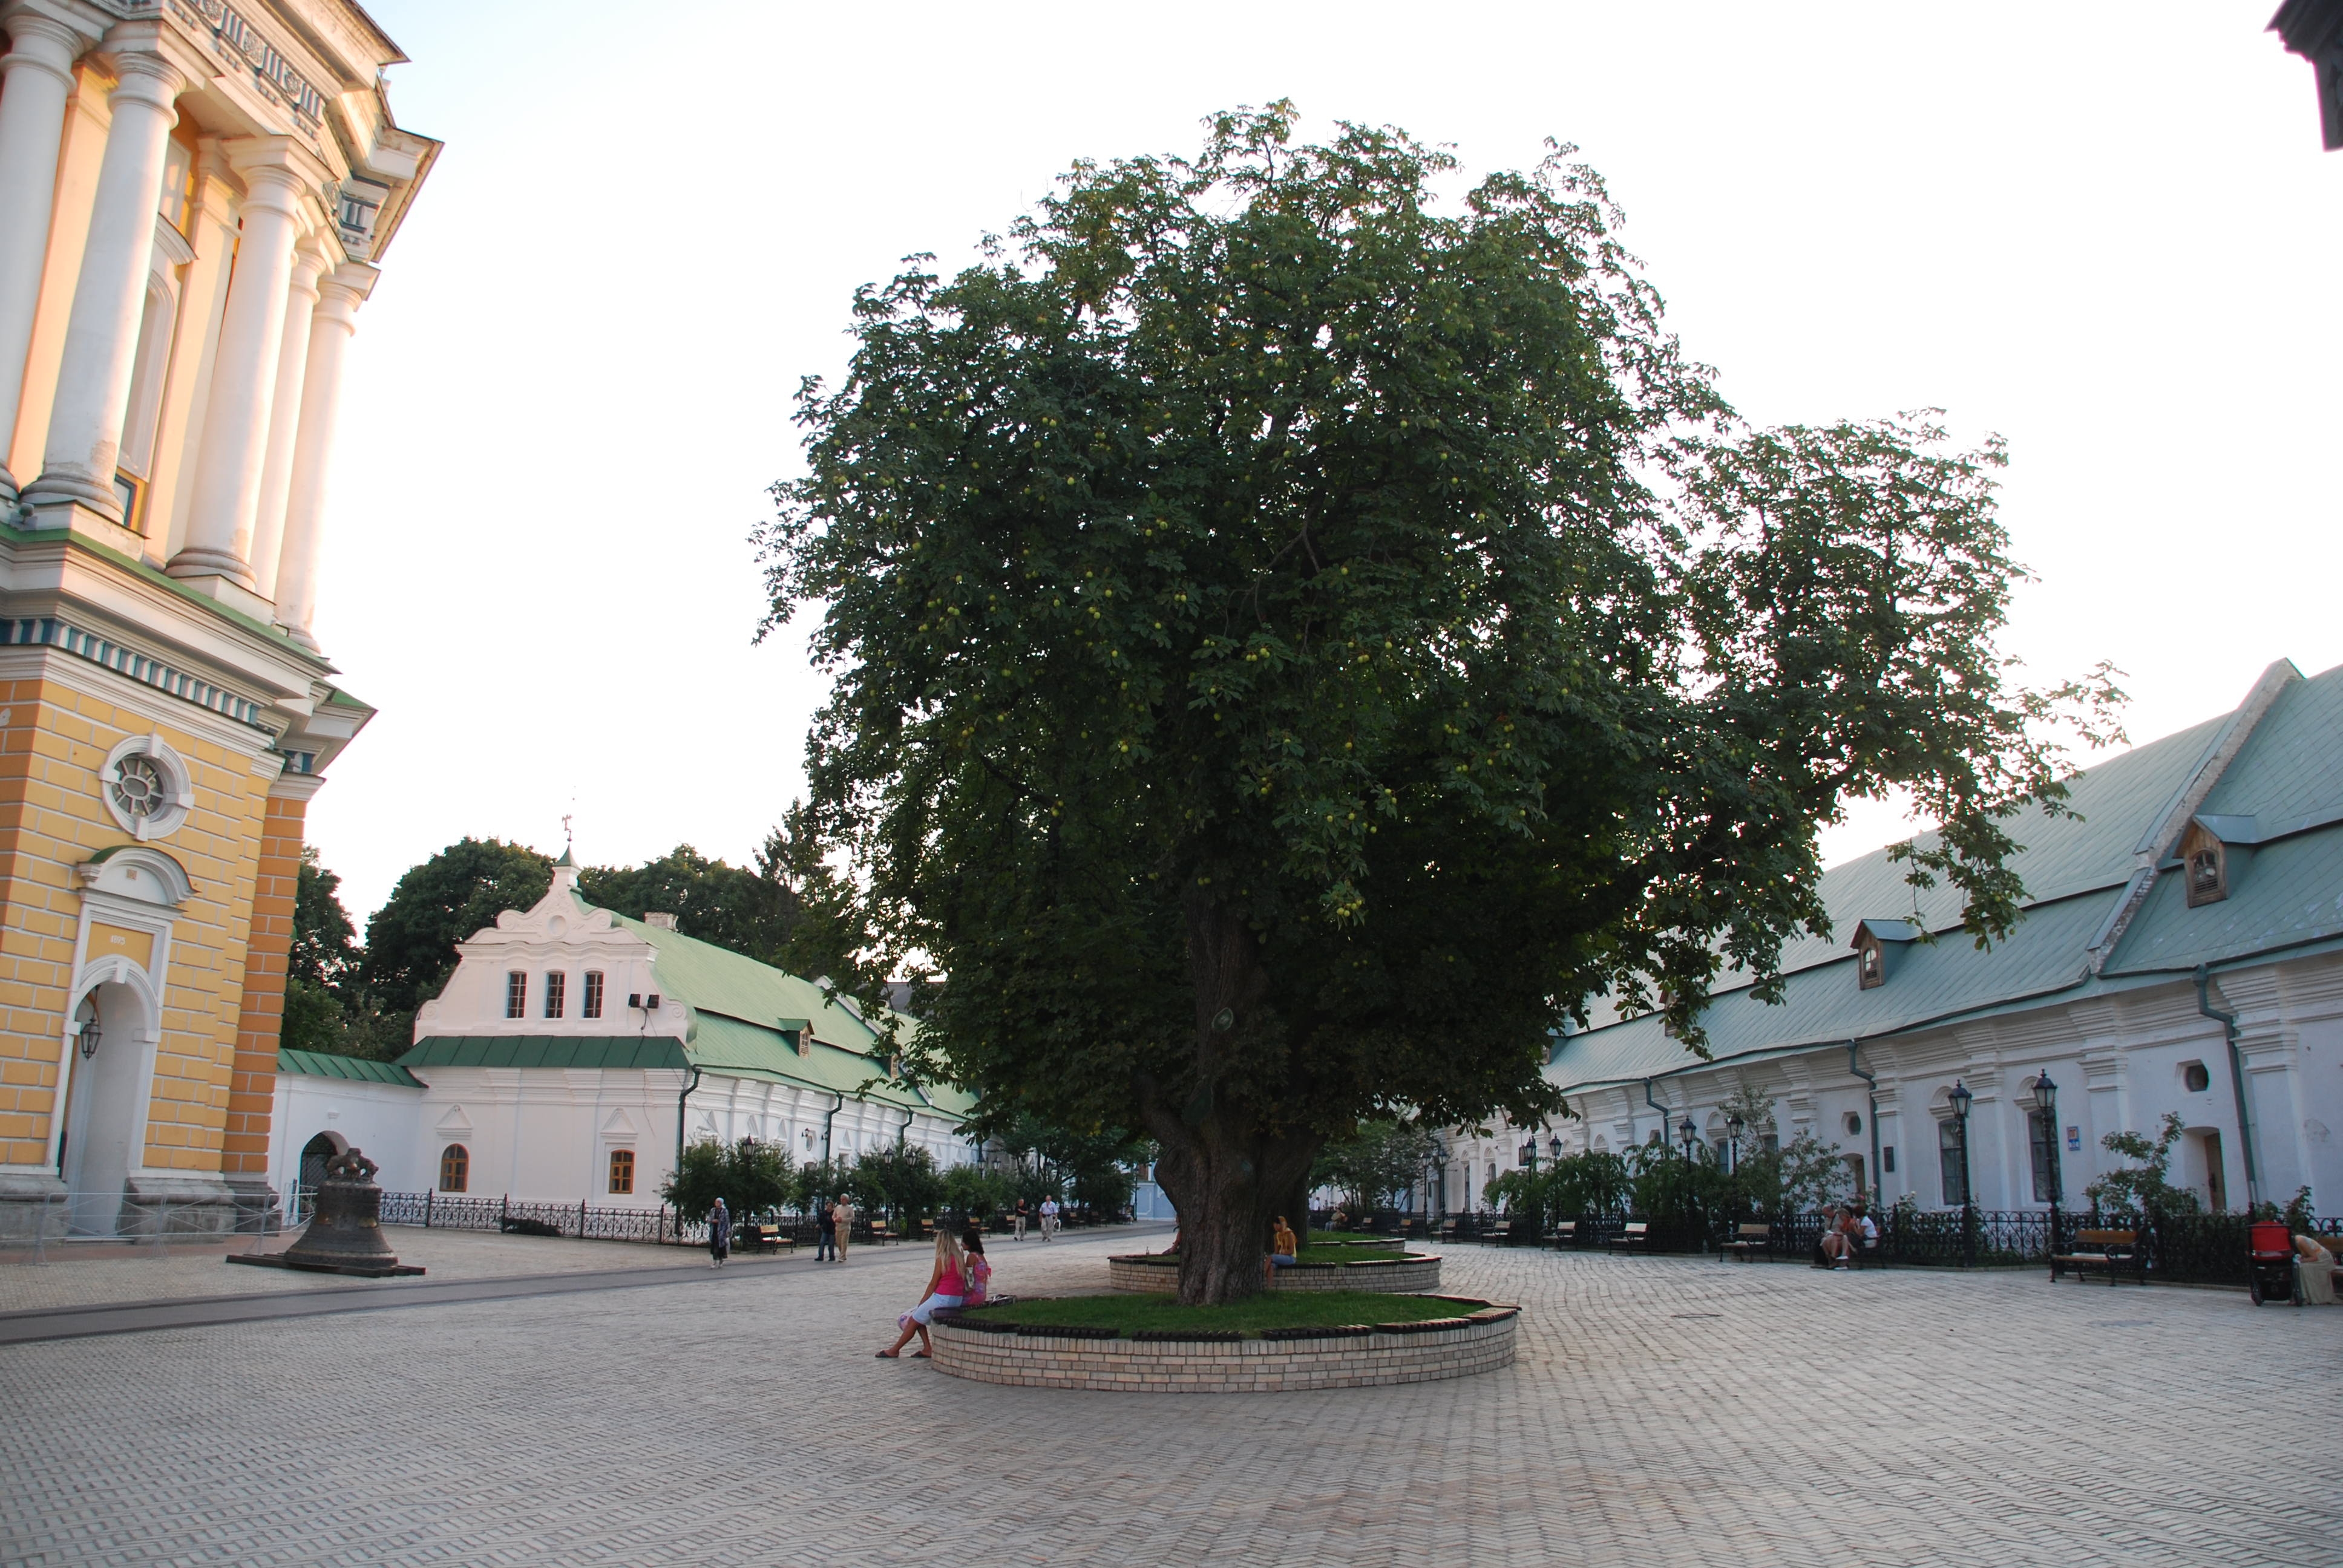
<point x="356" y="1069"/>
<point x="617" y="1051"/>
<point x="745" y="1018"/>
<point x="2284" y="893"/>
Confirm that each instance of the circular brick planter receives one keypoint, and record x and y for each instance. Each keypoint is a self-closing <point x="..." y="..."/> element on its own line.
<point x="1415" y="1274"/>
<point x="1480" y="1339"/>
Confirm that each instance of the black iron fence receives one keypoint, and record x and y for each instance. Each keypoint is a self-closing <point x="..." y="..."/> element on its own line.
<point x="2182" y="1248"/>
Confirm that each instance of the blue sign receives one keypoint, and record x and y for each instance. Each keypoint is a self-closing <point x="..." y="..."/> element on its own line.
<point x="2073" y="1138"/>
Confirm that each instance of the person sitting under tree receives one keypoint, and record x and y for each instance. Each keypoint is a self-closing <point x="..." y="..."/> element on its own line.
<point x="1284" y="1250"/>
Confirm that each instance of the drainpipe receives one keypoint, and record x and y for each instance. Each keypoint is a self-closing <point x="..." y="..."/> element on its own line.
<point x="2228" y="1022"/>
<point x="678" y="1118"/>
<point x="827" y="1118"/>
<point x="1871" y="1096"/>
<point x="1656" y="1106"/>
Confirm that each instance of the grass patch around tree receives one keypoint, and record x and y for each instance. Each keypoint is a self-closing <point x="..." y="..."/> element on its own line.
<point x="1130" y="1314"/>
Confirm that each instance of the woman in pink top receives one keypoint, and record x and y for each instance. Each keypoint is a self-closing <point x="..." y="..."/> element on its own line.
<point x="976" y="1274"/>
<point x="947" y="1287"/>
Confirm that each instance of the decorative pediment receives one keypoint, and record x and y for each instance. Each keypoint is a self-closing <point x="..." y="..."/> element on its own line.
<point x="618" y="1125"/>
<point x="560" y="916"/>
<point x="454" y="1124"/>
<point x="138" y="872"/>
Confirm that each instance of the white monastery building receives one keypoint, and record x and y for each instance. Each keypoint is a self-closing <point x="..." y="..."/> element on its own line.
<point x="2181" y="953"/>
<point x="575" y="1053"/>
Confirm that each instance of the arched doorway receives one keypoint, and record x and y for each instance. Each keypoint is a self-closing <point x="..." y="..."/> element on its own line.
<point x="112" y="1048"/>
<point x="314" y="1155"/>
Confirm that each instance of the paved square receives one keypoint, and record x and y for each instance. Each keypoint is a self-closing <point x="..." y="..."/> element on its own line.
<point x="1662" y="1411"/>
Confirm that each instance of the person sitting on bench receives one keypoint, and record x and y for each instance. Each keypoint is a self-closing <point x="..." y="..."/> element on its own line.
<point x="1840" y="1237"/>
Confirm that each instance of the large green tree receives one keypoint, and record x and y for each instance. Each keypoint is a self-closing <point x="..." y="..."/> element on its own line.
<point x="410" y="943"/>
<point x="322" y="963"/>
<point x="1295" y="640"/>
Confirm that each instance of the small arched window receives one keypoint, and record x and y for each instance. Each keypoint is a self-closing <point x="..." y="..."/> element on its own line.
<point x="454" y="1168"/>
<point x="622" y="1170"/>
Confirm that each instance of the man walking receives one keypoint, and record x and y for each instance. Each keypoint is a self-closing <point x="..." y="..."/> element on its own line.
<point x="825" y="1224"/>
<point x="1049" y="1219"/>
<point x="1020" y="1219"/>
<point x="841" y="1220"/>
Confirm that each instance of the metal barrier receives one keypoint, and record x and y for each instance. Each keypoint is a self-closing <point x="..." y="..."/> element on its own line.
<point x="34" y="1228"/>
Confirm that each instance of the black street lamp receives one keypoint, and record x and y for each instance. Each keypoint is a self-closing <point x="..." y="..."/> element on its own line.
<point x="1960" y="1097"/>
<point x="1685" y="1133"/>
<point x="2044" y="1101"/>
<point x="1733" y="1126"/>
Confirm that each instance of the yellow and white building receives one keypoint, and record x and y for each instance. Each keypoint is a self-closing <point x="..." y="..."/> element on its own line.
<point x="195" y="200"/>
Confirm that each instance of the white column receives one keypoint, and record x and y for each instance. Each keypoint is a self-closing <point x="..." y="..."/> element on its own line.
<point x="102" y="333"/>
<point x="36" y="78"/>
<point x="227" y="496"/>
<point x="338" y="297"/>
<point x="285" y="413"/>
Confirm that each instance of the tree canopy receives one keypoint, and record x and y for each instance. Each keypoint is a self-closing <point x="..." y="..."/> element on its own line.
<point x="1295" y="641"/>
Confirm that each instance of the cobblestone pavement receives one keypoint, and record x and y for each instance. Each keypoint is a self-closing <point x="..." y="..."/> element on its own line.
<point x="86" y="1274"/>
<point x="1662" y="1411"/>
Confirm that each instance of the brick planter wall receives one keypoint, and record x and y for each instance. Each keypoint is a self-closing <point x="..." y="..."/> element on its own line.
<point x="1411" y="1275"/>
<point x="1459" y="1347"/>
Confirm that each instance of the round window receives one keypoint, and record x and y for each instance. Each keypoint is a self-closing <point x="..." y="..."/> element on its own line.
<point x="2194" y="1078"/>
<point x="1853" y="1123"/>
<point x="139" y="787"/>
<point x="146" y="787"/>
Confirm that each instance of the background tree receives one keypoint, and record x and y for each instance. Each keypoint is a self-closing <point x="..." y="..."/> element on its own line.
<point x="750" y="911"/>
<point x="1370" y="1165"/>
<point x="1293" y="643"/>
<point x="410" y="943"/>
<point x="753" y="1179"/>
<point x="321" y="961"/>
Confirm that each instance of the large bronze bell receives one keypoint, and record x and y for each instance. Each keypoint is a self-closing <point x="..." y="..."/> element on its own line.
<point x="345" y="1235"/>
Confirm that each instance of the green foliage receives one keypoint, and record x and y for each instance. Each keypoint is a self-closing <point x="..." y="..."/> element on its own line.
<point x="1373" y="1164"/>
<point x="975" y="1194"/>
<point x="323" y="953"/>
<point x="820" y="1182"/>
<point x="903" y="1181"/>
<point x="410" y="944"/>
<point x="752" y="1178"/>
<point x="1800" y="1177"/>
<point x="2144" y="1190"/>
<point x="748" y="911"/>
<point x="1293" y="643"/>
<point x="2300" y="1214"/>
<point x="327" y="1008"/>
<point x="1092" y="1168"/>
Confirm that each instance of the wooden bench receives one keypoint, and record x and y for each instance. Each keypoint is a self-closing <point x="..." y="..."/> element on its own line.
<point x="1565" y="1235"/>
<point x="1748" y="1240"/>
<point x="762" y="1238"/>
<point x="2109" y="1252"/>
<point x="1633" y="1234"/>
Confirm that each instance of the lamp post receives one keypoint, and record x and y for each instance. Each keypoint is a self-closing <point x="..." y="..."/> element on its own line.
<point x="1732" y="1125"/>
<point x="1960" y="1097"/>
<point x="1685" y="1133"/>
<point x="2044" y="1101"/>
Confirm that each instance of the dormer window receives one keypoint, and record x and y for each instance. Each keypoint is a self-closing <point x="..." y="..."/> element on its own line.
<point x="1873" y="940"/>
<point x="2204" y="864"/>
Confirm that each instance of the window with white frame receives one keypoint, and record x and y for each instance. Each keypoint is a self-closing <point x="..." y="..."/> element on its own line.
<point x="557" y="984"/>
<point x="592" y="1003"/>
<point x="516" y="994"/>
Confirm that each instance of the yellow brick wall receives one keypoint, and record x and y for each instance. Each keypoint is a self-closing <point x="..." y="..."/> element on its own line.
<point x="252" y="1092"/>
<point x="52" y="743"/>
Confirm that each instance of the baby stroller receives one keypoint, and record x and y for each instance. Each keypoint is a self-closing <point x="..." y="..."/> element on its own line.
<point x="2273" y="1263"/>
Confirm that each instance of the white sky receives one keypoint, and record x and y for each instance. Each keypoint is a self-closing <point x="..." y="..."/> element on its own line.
<point x="2101" y="230"/>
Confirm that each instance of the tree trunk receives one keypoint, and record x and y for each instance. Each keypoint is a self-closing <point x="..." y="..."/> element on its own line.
<point x="1228" y="1170"/>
